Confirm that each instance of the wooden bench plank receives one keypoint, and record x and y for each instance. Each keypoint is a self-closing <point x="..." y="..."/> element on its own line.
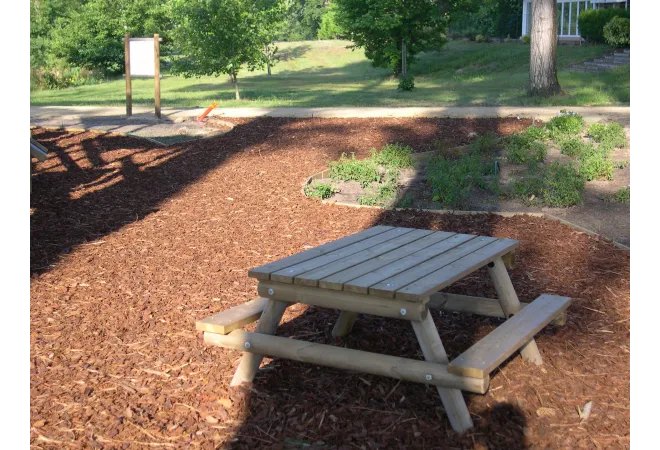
<point x="263" y="272"/>
<point x="483" y="357"/>
<point x="455" y="269"/>
<point x="337" y="280"/>
<point x="388" y="287"/>
<point x="312" y="277"/>
<point x="230" y="319"/>
<point x="361" y="284"/>
<point x="286" y="275"/>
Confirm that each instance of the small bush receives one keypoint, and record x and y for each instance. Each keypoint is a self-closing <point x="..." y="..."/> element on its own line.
<point x="621" y="196"/>
<point x="574" y="146"/>
<point x="481" y="38"/>
<point x="320" y="190"/>
<point x="523" y="150"/>
<point x="485" y="143"/>
<point x="407" y="83"/>
<point x="610" y="135"/>
<point x="536" y="133"/>
<point x="363" y="171"/>
<point x="596" y="165"/>
<point x="525" y="39"/>
<point x="378" y="196"/>
<point x="62" y="77"/>
<point x="562" y="185"/>
<point x="617" y="32"/>
<point x="507" y="39"/>
<point x="396" y="156"/>
<point x="592" y="22"/>
<point x="621" y="164"/>
<point x="565" y="124"/>
<point x="529" y="188"/>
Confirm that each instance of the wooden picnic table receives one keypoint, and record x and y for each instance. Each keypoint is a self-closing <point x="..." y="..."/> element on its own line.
<point x="398" y="273"/>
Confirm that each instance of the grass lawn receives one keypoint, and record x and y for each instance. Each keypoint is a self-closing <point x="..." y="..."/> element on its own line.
<point x="325" y="73"/>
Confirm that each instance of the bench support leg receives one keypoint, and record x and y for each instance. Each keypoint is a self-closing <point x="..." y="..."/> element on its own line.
<point x="267" y="324"/>
<point x="511" y="305"/>
<point x="344" y="324"/>
<point x="452" y="399"/>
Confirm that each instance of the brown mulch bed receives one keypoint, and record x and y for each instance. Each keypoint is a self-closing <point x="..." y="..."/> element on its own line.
<point x="131" y="243"/>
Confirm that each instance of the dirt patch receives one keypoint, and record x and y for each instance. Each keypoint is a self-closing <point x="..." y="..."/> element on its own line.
<point x="131" y="243"/>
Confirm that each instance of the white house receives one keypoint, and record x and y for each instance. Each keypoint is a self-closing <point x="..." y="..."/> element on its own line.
<point x="567" y="15"/>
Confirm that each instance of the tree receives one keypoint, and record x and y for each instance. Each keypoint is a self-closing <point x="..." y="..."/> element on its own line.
<point x="543" y="80"/>
<point x="329" y="28"/>
<point x="221" y="36"/>
<point x="385" y="27"/>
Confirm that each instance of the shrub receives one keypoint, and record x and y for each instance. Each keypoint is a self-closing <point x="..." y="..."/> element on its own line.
<point x="485" y="143"/>
<point x="396" y="156"/>
<point x="565" y="124"/>
<point x="592" y="22"/>
<point x="621" y="196"/>
<point x="596" y="165"/>
<point x="529" y="188"/>
<point x="523" y="150"/>
<point x="574" y="146"/>
<point x="562" y="185"/>
<point x="350" y="169"/>
<point x="609" y="135"/>
<point x="617" y="32"/>
<point x="525" y="39"/>
<point x="378" y="196"/>
<point x="481" y="38"/>
<point x="59" y="77"/>
<point x="320" y="190"/>
<point x="407" y="83"/>
<point x="536" y="133"/>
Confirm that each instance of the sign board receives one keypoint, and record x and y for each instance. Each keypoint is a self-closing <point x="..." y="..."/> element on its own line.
<point x="142" y="57"/>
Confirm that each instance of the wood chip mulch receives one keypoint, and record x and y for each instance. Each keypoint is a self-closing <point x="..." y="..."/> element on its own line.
<point x="131" y="243"/>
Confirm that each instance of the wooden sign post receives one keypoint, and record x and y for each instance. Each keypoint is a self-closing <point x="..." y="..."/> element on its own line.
<point x="141" y="67"/>
<point x="157" y="74"/>
<point x="127" y="63"/>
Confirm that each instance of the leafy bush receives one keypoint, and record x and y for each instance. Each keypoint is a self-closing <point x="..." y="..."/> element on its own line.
<point x="596" y="165"/>
<point x="485" y="143"/>
<point x="621" y="196"/>
<point x="525" y="39"/>
<point x="610" y="135"/>
<point x="592" y="22"/>
<point x="565" y="124"/>
<point x="481" y="38"/>
<point x="574" y="146"/>
<point x="59" y="77"/>
<point x="617" y="32"/>
<point x="363" y="171"/>
<point x="521" y="149"/>
<point x="562" y="185"/>
<point x="378" y="196"/>
<point x="320" y="190"/>
<point x="396" y="156"/>
<point x="407" y="83"/>
<point x="536" y="133"/>
<point x="529" y="188"/>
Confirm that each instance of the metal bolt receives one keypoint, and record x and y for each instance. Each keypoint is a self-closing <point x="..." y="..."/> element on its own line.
<point x="429" y="377"/>
<point x="403" y="311"/>
<point x="271" y="292"/>
<point x="247" y="345"/>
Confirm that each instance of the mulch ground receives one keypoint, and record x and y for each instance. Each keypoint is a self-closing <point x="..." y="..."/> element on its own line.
<point x="131" y="243"/>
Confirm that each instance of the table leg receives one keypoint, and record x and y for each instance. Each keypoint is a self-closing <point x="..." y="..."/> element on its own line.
<point x="452" y="399"/>
<point x="344" y="324"/>
<point x="511" y="305"/>
<point x="267" y="324"/>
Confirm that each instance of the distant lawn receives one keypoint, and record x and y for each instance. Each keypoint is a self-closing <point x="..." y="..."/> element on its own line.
<point x="325" y="73"/>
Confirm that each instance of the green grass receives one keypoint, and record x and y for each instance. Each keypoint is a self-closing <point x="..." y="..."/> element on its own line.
<point x="325" y="73"/>
<point x="609" y="135"/>
<point x="319" y="190"/>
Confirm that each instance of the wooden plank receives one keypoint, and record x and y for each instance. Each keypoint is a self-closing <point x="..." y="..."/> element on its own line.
<point x="286" y="275"/>
<point x="483" y="357"/>
<point x="433" y="350"/>
<point x="343" y="301"/>
<point x="157" y="75"/>
<point x="230" y="319"/>
<point x="312" y="277"/>
<point x="263" y="272"/>
<point x="347" y="359"/>
<point x="344" y="324"/>
<point x="337" y="280"/>
<point x="127" y="64"/>
<point x="388" y="287"/>
<point x="360" y="285"/>
<point x="455" y="269"/>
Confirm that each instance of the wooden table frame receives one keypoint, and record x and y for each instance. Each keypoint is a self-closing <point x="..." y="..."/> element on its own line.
<point x="469" y="372"/>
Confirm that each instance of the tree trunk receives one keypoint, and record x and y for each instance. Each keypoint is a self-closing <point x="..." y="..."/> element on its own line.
<point x="404" y="63"/>
<point x="234" y="79"/>
<point x="268" y="64"/>
<point x="543" y="49"/>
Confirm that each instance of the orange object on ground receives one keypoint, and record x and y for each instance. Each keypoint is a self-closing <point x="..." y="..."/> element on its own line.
<point x="208" y="110"/>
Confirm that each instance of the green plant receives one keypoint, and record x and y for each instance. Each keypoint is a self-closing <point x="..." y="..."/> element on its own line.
<point x="621" y="164"/>
<point x="529" y="188"/>
<point x="485" y="143"/>
<point x="396" y="156"/>
<point x="320" y="190"/>
<point x="610" y="135"/>
<point x="565" y="124"/>
<point x="525" y="39"/>
<point x="507" y="39"/>
<point x="574" y="146"/>
<point x="406" y="201"/>
<point x="617" y="32"/>
<point x="521" y="149"/>
<point x="536" y="133"/>
<point x="592" y="22"/>
<point x="363" y="171"/>
<point x="622" y="195"/>
<point x="562" y="185"/>
<point x="596" y="164"/>
<point x="481" y="38"/>
<point x="378" y="196"/>
<point x="407" y="83"/>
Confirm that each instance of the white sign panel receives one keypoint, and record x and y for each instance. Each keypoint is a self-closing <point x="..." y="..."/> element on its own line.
<point x="142" y="57"/>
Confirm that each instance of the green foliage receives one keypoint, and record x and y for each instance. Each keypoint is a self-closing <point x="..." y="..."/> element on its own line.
<point x="329" y="28"/>
<point x="562" y="185"/>
<point x="406" y="201"/>
<point x="481" y="38"/>
<point x="453" y="179"/>
<point x="59" y="77"/>
<point x="487" y="17"/>
<point x="592" y="22"/>
<point x="320" y="190"/>
<point x="621" y="196"/>
<point x="522" y="149"/>
<point x="303" y="19"/>
<point x="529" y="188"/>
<point x="526" y="39"/>
<point x="364" y="171"/>
<point x="621" y="164"/>
<point x="407" y="83"/>
<point x="395" y="156"/>
<point x="536" y="133"/>
<point x="486" y="143"/>
<point x="617" y="32"/>
<point x="610" y="135"/>
<point x="565" y="124"/>
<point x="574" y="146"/>
<point x="596" y="164"/>
<point x="380" y="26"/>
<point x="381" y="195"/>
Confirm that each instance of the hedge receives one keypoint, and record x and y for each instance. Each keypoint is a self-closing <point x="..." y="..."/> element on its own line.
<point x="617" y="32"/>
<point x="592" y="21"/>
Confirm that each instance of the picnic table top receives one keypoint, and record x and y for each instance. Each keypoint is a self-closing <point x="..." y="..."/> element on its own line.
<point x="388" y="262"/>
